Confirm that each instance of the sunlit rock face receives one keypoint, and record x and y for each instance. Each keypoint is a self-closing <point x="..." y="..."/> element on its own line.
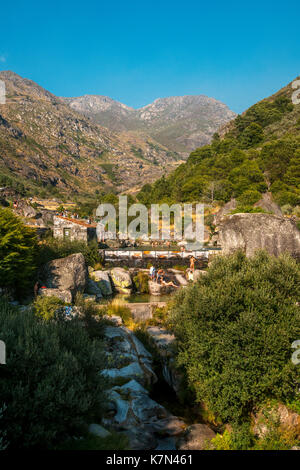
<point x="252" y="232"/>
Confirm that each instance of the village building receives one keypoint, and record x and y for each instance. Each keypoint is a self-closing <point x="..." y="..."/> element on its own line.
<point x="73" y="229"/>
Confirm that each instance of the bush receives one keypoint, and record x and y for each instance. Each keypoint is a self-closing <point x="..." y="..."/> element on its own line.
<point x="141" y="282"/>
<point x="235" y="327"/>
<point x="54" y="248"/>
<point x="17" y="252"/>
<point x="51" y="384"/>
<point x="46" y="307"/>
<point x="118" y="307"/>
<point x="116" y="441"/>
<point x="249" y="197"/>
<point x="90" y="314"/>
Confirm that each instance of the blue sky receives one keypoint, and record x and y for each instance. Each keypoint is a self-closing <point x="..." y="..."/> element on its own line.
<point x="136" y="51"/>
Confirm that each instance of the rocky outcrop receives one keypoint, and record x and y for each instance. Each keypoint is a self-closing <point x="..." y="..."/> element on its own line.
<point x="130" y="409"/>
<point x="252" y="232"/>
<point x="164" y="343"/>
<point x="93" y="288"/>
<point x="267" y="204"/>
<point x="98" y="430"/>
<point x="64" y="295"/>
<point x="68" y="273"/>
<point x="103" y="281"/>
<point x="159" y="289"/>
<point x="287" y="419"/>
<point x="190" y="120"/>
<point x="196" y="437"/>
<point x="121" y="280"/>
<point x="225" y="210"/>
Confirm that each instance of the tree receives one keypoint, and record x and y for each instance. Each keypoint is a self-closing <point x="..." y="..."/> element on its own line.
<point x="18" y="247"/>
<point x="51" y="384"/>
<point x="234" y="328"/>
<point x="252" y="135"/>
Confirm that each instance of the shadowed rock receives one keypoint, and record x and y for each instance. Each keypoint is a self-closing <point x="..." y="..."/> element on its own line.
<point x="196" y="437"/>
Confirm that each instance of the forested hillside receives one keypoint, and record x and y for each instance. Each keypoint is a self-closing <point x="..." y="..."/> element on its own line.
<point x="258" y="151"/>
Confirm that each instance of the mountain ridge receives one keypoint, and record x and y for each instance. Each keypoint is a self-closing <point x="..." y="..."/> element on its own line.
<point x="258" y="151"/>
<point x="47" y="146"/>
<point x="180" y="123"/>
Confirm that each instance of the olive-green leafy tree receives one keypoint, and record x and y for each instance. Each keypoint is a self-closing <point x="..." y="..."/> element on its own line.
<point x="51" y="386"/>
<point x="17" y="252"/>
<point x="235" y="327"/>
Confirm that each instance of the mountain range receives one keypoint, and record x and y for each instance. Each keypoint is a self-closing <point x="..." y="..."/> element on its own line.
<point x="50" y="145"/>
<point x="181" y="123"/>
<point x="255" y="153"/>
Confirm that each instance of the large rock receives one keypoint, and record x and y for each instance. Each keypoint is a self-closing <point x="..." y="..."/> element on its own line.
<point x="146" y="409"/>
<point x="170" y="426"/>
<point x="164" y="342"/>
<point x="226" y="209"/>
<point x="121" y="279"/>
<point x="266" y="203"/>
<point x="163" y="339"/>
<point x="159" y="289"/>
<point x="286" y="418"/>
<point x="196" y="437"/>
<point x="181" y="280"/>
<point x="140" y="439"/>
<point x="68" y="273"/>
<point x="98" y="430"/>
<point x="64" y="295"/>
<point x="252" y="232"/>
<point x="92" y="288"/>
<point x="103" y="281"/>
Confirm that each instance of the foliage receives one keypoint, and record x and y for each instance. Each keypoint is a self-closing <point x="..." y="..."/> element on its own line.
<point x="116" y="441"/>
<point x="248" y="209"/>
<point x="51" y="383"/>
<point x="117" y="307"/>
<point x="53" y="248"/>
<point x="221" y="442"/>
<point x="91" y="316"/>
<point x="141" y="282"/>
<point x="235" y="327"/>
<point x="46" y="307"/>
<point x="60" y="208"/>
<point x="246" y="161"/>
<point x="17" y="252"/>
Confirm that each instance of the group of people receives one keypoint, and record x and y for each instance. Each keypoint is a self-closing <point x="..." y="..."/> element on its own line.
<point x="159" y="275"/>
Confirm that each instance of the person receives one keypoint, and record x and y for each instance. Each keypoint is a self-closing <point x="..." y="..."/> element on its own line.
<point x="36" y="288"/>
<point x="152" y="273"/>
<point x="160" y="274"/>
<point x="192" y="264"/>
<point x="165" y="282"/>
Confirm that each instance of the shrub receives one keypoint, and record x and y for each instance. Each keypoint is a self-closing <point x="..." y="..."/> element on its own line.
<point x="46" y="307"/>
<point x="235" y="327"/>
<point x="54" y="248"/>
<point x="51" y="384"/>
<point x="141" y="282"/>
<point x="118" y="307"/>
<point x="17" y="252"/>
<point x="249" y="197"/>
<point x="90" y="314"/>
<point x="116" y="441"/>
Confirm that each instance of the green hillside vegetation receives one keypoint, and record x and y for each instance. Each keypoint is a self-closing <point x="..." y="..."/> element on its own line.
<point x="235" y="343"/>
<point x="259" y="151"/>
